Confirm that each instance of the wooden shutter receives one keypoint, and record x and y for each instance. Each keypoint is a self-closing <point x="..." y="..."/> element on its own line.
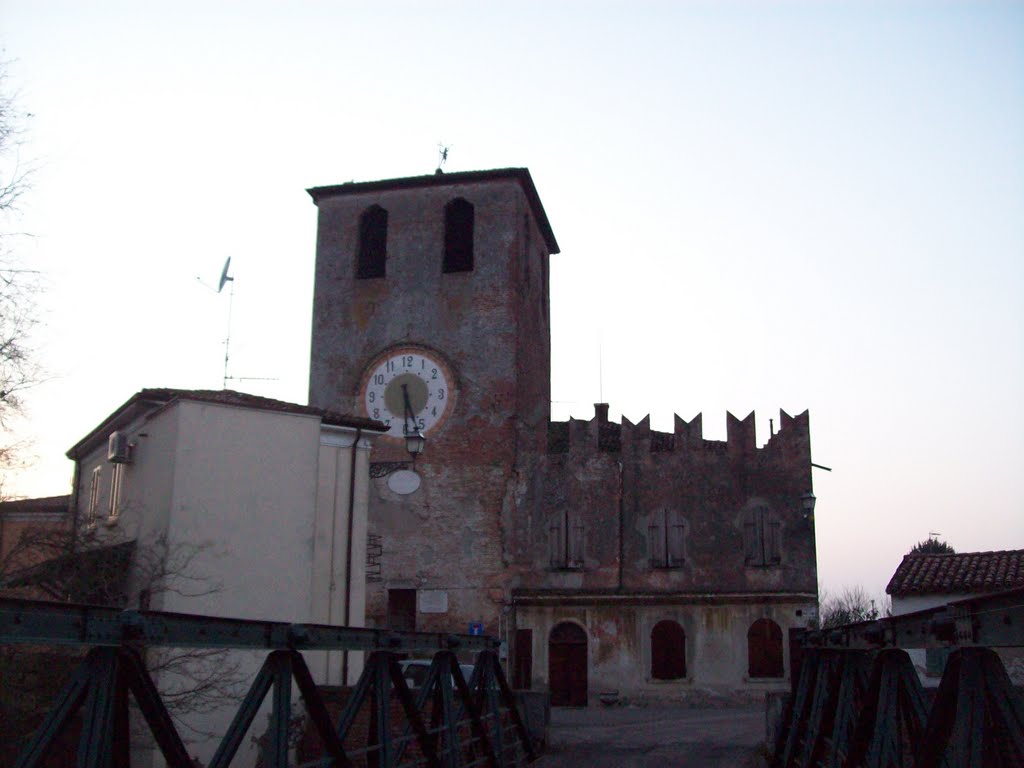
<point x="656" y="545"/>
<point x="555" y="552"/>
<point x="676" y="542"/>
<point x="773" y="550"/>
<point x="575" y="554"/>
<point x="751" y="548"/>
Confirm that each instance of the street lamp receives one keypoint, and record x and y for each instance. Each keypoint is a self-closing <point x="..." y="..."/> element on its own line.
<point x="807" y="501"/>
<point x="415" y="442"/>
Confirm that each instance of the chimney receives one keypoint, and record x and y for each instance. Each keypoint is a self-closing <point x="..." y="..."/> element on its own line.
<point x="601" y="412"/>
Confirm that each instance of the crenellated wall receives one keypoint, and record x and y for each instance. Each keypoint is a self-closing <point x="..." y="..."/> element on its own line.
<point x="626" y="484"/>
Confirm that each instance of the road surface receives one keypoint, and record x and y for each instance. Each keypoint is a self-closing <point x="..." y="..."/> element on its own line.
<point x="655" y="737"/>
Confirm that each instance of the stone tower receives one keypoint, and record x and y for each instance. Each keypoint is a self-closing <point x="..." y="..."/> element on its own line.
<point x="430" y="311"/>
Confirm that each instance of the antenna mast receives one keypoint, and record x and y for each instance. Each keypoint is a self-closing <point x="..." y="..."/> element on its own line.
<point x="227" y="337"/>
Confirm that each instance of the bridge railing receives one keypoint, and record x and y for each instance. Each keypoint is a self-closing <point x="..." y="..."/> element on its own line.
<point x="858" y="700"/>
<point x="447" y="722"/>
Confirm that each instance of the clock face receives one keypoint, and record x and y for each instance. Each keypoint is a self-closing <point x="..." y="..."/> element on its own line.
<point x="408" y="389"/>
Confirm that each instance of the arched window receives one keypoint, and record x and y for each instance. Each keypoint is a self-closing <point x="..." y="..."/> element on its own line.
<point x="668" y="651"/>
<point x="764" y="649"/>
<point x="373" y="242"/>
<point x="458" y="236"/>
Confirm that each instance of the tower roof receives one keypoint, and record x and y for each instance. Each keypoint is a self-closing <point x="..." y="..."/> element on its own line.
<point x="521" y="175"/>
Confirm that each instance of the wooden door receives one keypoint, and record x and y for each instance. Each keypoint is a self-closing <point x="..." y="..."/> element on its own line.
<point x="522" y="671"/>
<point x="402" y="609"/>
<point x="567" y="666"/>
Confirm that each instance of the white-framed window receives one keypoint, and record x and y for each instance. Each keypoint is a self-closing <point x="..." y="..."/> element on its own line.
<point x="94" y="496"/>
<point x="116" y="481"/>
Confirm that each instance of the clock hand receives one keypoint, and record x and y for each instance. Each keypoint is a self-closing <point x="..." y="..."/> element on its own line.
<point x="408" y="409"/>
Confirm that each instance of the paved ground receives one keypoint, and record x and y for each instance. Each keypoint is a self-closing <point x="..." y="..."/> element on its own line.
<point x="650" y="737"/>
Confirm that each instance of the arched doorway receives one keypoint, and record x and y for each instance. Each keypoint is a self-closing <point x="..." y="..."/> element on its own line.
<point x="567" y="665"/>
<point x="764" y="649"/>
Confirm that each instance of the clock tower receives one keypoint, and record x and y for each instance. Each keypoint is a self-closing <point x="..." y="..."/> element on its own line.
<point x="430" y="313"/>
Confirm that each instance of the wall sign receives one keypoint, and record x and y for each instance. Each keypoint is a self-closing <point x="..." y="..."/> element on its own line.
<point x="433" y="601"/>
<point x="403" y="482"/>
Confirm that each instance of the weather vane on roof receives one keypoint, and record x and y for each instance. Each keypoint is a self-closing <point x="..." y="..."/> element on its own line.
<point x="442" y="155"/>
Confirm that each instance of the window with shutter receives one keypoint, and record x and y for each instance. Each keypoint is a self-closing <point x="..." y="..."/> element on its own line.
<point x="565" y="542"/>
<point x="762" y="537"/>
<point x="666" y="536"/>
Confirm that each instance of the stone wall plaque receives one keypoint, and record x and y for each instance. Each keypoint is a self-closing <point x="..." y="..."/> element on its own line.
<point x="433" y="601"/>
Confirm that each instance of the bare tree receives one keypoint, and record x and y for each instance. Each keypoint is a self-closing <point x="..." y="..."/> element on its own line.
<point x="68" y="565"/>
<point x="850" y="605"/>
<point x="19" y="285"/>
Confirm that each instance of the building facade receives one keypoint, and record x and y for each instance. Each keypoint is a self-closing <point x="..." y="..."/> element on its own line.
<point x="232" y="505"/>
<point x="608" y="557"/>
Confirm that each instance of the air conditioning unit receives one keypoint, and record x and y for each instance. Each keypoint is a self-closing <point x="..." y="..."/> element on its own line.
<point x="119" y="450"/>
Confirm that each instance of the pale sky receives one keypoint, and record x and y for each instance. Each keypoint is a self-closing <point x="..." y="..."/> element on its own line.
<point x="760" y="206"/>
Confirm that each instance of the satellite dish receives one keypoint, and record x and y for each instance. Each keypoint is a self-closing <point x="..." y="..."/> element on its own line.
<point x="224" y="275"/>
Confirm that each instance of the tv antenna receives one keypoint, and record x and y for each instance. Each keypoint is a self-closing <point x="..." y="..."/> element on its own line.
<point x="226" y="278"/>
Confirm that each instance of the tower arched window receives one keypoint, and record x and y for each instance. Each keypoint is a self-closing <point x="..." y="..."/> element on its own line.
<point x="668" y="651"/>
<point x="458" y="236"/>
<point x="373" y="243"/>
<point x="764" y="649"/>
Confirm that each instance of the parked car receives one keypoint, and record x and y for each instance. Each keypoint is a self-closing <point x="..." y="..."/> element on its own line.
<point x="415" y="671"/>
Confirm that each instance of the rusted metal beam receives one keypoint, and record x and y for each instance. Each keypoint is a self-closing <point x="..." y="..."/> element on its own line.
<point x="993" y="621"/>
<point x="40" y="622"/>
<point x="975" y="721"/>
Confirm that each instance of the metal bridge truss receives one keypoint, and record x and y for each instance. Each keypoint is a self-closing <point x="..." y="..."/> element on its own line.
<point x="448" y="722"/>
<point x="859" y="700"/>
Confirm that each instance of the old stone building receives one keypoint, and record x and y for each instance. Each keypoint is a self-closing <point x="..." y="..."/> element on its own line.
<point x="609" y="557"/>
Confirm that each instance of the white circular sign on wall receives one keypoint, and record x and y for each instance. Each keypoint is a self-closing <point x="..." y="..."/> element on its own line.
<point x="403" y="482"/>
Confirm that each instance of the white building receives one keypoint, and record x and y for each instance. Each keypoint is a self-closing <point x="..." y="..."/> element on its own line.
<point x="256" y="508"/>
<point x="925" y="581"/>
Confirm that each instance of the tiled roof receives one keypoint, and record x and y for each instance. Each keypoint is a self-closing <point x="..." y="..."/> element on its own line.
<point x="148" y="400"/>
<point x="963" y="572"/>
<point x="245" y="400"/>
<point x="43" y="505"/>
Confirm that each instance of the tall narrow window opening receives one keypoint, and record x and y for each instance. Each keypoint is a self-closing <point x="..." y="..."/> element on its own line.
<point x="458" y="236"/>
<point x="668" y="651"/>
<point x="373" y="243"/>
<point x="764" y="649"/>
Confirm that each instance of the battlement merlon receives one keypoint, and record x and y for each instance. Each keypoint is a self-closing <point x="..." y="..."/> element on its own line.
<point x="741" y="436"/>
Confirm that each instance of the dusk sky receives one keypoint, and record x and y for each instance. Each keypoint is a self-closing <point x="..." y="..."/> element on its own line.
<point x="760" y="206"/>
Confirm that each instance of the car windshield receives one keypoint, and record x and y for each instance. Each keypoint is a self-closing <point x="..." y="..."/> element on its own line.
<point x="415" y="674"/>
